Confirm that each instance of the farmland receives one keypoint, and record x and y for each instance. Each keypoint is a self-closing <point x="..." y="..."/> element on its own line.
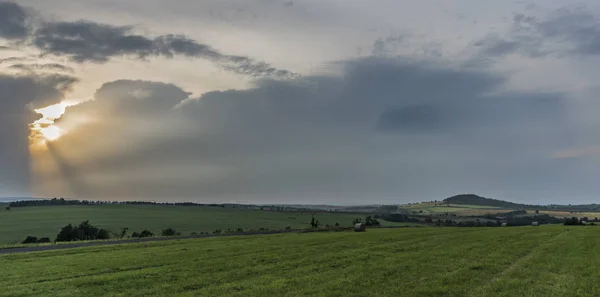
<point x="519" y="261"/>
<point x="42" y="221"/>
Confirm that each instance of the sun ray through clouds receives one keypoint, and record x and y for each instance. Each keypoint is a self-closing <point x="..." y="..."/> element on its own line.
<point x="44" y="129"/>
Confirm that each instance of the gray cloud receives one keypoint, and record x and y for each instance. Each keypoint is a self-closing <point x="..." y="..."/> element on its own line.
<point x="48" y="67"/>
<point x="85" y="41"/>
<point x="12" y="60"/>
<point x="564" y="32"/>
<point x="382" y="130"/>
<point x="13" y="21"/>
<point x="88" y="41"/>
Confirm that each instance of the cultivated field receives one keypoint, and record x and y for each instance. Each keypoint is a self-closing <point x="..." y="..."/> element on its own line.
<point x="520" y="261"/>
<point x="42" y="221"/>
<point x="432" y="208"/>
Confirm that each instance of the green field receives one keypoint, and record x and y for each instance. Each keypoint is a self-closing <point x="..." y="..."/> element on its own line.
<point x="41" y="221"/>
<point x="433" y="208"/>
<point x="520" y="261"/>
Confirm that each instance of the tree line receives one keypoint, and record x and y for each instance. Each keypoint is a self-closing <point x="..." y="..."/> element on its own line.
<point x="63" y="201"/>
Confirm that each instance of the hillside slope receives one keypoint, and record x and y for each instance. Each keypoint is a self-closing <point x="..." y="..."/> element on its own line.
<point x="472" y="199"/>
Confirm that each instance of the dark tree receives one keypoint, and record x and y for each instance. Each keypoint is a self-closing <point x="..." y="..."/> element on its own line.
<point x="146" y="233"/>
<point x="85" y="231"/>
<point x="67" y="233"/>
<point x="30" y="239"/>
<point x="123" y="232"/>
<point x="314" y="223"/>
<point x="43" y="240"/>
<point x="169" y="232"/>
<point x="8" y="208"/>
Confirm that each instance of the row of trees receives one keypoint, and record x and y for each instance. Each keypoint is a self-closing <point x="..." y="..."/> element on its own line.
<point x="87" y="231"/>
<point x="63" y="201"/>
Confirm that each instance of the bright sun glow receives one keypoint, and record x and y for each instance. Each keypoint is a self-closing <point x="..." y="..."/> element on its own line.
<point x="45" y="125"/>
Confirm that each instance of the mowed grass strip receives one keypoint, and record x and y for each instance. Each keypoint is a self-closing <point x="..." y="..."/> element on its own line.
<point x="46" y="221"/>
<point x="520" y="261"/>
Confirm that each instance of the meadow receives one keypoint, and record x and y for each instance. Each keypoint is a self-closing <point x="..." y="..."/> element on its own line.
<point x="520" y="261"/>
<point x="46" y="221"/>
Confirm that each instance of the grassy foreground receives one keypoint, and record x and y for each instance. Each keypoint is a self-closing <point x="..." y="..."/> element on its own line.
<point x="46" y="221"/>
<point x="519" y="261"/>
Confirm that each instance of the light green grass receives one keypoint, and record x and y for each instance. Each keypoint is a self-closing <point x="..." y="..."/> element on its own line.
<point x="521" y="261"/>
<point x="46" y="221"/>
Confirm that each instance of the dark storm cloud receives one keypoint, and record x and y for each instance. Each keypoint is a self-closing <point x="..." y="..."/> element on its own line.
<point x="86" y="41"/>
<point x="13" y="21"/>
<point x="18" y="96"/>
<point x="94" y="42"/>
<point x="564" y="32"/>
<point x="387" y="129"/>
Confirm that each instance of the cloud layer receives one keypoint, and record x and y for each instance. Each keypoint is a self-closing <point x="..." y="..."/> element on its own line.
<point x="385" y="129"/>
<point x="85" y="41"/>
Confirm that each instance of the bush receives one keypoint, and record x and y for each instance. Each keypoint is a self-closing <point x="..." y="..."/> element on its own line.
<point x="44" y="240"/>
<point x="85" y="231"/>
<point x="169" y="232"/>
<point x="144" y="233"/>
<point x="30" y="239"/>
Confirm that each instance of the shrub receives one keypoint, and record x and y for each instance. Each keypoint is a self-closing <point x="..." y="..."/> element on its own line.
<point x="43" y="240"/>
<point x="146" y="233"/>
<point x="123" y="232"/>
<point x="169" y="232"/>
<point x="85" y="231"/>
<point x="142" y="234"/>
<point x="30" y="239"/>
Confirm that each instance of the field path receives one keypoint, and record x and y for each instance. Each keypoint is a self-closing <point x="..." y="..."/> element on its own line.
<point x="478" y="291"/>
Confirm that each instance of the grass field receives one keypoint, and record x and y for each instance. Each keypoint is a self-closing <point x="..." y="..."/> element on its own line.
<point x="520" y="261"/>
<point x="432" y="208"/>
<point x="18" y="223"/>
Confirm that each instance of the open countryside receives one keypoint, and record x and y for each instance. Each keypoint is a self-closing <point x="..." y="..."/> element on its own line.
<point x="46" y="221"/>
<point x="520" y="261"/>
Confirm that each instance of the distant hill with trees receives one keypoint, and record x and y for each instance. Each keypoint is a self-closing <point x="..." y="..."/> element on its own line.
<point x="472" y="199"/>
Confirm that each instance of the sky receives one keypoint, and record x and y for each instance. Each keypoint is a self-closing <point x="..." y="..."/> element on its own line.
<point x="265" y="101"/>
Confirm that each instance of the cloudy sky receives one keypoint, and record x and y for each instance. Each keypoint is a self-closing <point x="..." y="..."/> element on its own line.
<point x="266" y="101"/>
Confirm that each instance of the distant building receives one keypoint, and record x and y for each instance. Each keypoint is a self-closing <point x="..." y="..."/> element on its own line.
<point x="535" y="224"/>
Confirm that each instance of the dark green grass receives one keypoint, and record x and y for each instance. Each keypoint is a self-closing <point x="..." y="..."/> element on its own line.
<point x="46" y="221"/>
<point x="521" y="261"/>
